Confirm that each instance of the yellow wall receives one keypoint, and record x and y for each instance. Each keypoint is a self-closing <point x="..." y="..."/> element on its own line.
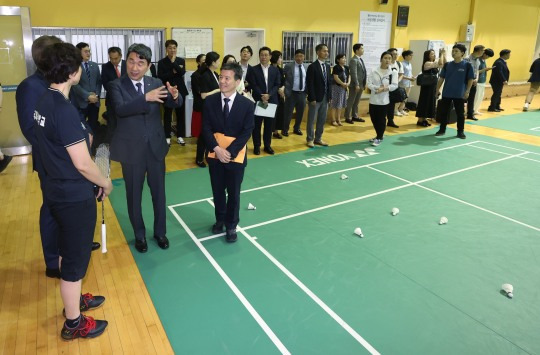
<point x="428" y="19"/>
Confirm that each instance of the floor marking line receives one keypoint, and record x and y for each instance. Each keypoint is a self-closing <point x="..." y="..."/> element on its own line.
<point x="504" y="146"/>
<point x="310" y="293"/>
<point x="496" y="151"/>
<point x="335" y="172"/>
<point x="461" y="201"/>
<point x="233" y="287"/>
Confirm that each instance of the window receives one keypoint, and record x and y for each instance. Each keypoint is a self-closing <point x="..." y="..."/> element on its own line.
<point x="101" y="39"/>
<point x="337" y="42"/>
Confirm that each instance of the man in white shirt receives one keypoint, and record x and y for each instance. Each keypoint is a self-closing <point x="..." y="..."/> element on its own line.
<point x="295" y="92"/>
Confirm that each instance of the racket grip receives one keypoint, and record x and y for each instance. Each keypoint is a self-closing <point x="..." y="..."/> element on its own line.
<point x="103" y="238"/>
<point x="96" y="191"/>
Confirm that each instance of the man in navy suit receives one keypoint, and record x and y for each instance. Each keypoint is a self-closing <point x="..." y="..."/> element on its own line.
<point x="232" y="115"/>
<point x="319" y="94"/>
<point x="110" y="71"/>
<point x="499" y="77"/>
<point x="139" y="141"/>
<point x="264" y="81"/>
<point x="85" y="96"/>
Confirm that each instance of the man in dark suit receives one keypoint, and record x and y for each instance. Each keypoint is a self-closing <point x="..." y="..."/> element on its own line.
<point x="139" y="142"/>
<point x="295" y="92"/>
<point x="319" y="94"/>
<point x="499" y="77"/>
<point x="358" y="83"/>
<point x="171" y="69"/>
<point x="264" y="81"/>
<point x="245" y="55"/>
<point x="232" y="115"/>
<point x="85" y="96"/>
<point x="110" y="71"/>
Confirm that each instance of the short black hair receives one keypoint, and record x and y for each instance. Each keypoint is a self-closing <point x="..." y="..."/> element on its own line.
<point x="357" y="46"/>
<point x="385" y="53"/>
<point x="275" y="56"/>
<point x="39" y="45"/>
<point x="505" y="52"/>
<point x="235" y="67"/>
<point x="142" y="51"/>
<point x="199" y="57"/>
<point x="265" y="49"/>
<point x="391" y="50"/>
<point x="461" y="47"/>
<point x="489" y="52"/>
<point x="82" y="45"/>
<point x="226" y="58"/>
<point x="320" y="46"/>
<point x="211" y="57"/>
<point x="114" y="50"/>
<point x="406" y="53"/>
<point x="248" y="49"/>
<point x="60" y="60"/>
<point x="299" y="51"/>
<point x="339" y="56"/>
<point x="169" y="42"/>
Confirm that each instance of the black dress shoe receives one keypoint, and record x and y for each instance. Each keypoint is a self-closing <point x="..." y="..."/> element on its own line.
<point x="231" y="236"/>
<point x="493" y="110"/>
<point x="53" y="273"/>
<point x="461" y="135"/>
<point x="440" y="133"/>
<point x="358" y="119"/>
<point x="162" y="242"/>
<point x="257" y="150"/>
<point x="277" y="135"/>
<point x="284" y="134"/>
<point x="349" y="121"/>
<point x="392" y="124"/>
<point x="95" y="246"/>
<point x="141" y="245"/>
<point x="269" y="150"/>
<point x="217" y="228"/>
<point x="200" y="164"/>
<point x="472" y="118"/>
<point x="298" y="132"/>
<point x="5" y="162"/>
<point x="500" y="109"/>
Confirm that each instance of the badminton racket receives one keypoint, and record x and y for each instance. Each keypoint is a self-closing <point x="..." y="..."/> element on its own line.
<point x="103" y="162"/>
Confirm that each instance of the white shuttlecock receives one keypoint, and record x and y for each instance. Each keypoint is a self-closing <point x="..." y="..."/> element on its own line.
<point x="344" y="177"/>
<point x="508" y="290"/>
<point x="443" y="220"/>
<point x="358" y="232"/>
<point x="251" y="207"/>
<point x="395" y="211"/>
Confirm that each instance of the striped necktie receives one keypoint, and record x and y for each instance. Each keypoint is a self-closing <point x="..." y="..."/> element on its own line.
<point x="87" y="69"/>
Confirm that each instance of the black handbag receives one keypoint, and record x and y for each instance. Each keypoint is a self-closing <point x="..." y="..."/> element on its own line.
<point x="426" y="79"/>
<point x="398" y="95"/>
<point x="451" y="115"/>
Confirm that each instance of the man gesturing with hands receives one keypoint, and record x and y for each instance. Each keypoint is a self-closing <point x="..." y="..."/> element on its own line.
<point x="139" y="141"/>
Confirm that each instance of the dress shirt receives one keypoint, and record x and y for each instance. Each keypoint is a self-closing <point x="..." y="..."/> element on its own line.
<point x="230" y="103"/>
<point x="265" y="73"/>
<point x="135" y="85"/>
<point x="297" y="86"/>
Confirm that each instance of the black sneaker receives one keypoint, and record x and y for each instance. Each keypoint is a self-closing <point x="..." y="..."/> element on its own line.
<point x="5" y="162"/>
<point x="461" y="135"/>
<point x="440" y="132"/>
<point x="88" y="302"/>
<point x="87" y="328"/>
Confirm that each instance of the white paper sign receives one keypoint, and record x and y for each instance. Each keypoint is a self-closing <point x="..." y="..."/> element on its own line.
<point x="374" y="34"/>
<point x="192" y="52"/>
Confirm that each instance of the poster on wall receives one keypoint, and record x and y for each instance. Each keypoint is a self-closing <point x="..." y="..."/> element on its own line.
<point x="374" y="34"/>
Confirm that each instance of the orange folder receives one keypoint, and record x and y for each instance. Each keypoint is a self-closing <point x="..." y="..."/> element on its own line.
<point x="225" y="141"/>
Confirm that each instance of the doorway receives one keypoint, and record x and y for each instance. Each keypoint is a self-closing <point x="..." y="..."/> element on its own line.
<point x="236" y="38"/>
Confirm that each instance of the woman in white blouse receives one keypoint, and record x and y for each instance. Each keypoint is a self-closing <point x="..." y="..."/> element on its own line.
<point x="381" y="81"/>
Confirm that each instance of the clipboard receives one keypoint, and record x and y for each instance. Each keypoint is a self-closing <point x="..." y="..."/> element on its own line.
<point x="265" y="110"/>
<point x="225" y="141"/>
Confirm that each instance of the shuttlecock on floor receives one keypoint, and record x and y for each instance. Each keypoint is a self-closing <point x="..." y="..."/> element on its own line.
<point x="395" y="211"/>
<point x="251" y="207"/>
<point x="358" y="232"/>
<point x="344" y="177"/>
<point x="508" y="290"/>
<point x="443" y="220"/>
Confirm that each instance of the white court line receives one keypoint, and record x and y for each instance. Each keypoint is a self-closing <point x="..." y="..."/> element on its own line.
<point x="310" y="293"/>
<point x="459" y="200"/>
<point x="408" y="184"/>
<point x="233" y="287"/>
<point x="496" y="151"/>
<point x="500" y="145"/>
<point x="334" y="172"/>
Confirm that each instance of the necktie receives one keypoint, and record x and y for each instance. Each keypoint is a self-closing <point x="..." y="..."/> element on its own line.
<point x="117" y="71"/>
<point x="87" y="69"/>
<point x="325" y="79"/>
<point x="226" y="108"/>
<point x="301" y="86"/>
<point x="139" y="89"/>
